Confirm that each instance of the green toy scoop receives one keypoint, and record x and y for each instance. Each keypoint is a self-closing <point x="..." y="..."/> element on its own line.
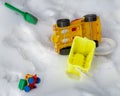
<point x="27" y="16"/>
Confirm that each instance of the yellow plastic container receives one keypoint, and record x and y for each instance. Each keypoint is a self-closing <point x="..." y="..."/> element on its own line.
<point x="81" y="55"/>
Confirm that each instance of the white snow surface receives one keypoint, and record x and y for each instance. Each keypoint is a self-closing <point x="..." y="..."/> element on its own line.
<point x="26" y="48"/>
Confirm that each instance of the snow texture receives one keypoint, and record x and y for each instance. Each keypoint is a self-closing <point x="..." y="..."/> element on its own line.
<point x="26" y="48"/>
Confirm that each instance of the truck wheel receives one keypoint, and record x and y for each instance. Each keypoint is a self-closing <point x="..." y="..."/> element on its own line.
<point x="38" y="80"/>
<point x="96" y="42"/>
<point x="65" y="51"/>
<point x="90" y="17"/>
<point x="26" y="88"/>
<point x="30" y="80"/>
<point x="63" y="22"/>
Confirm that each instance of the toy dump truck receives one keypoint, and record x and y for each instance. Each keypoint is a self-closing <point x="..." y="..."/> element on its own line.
<point x="64" y="32"/>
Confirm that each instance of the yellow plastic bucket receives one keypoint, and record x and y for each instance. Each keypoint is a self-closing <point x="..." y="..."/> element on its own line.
<point x="81" y="55"/>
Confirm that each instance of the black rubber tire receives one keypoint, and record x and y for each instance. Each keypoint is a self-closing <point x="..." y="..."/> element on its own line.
<point x="65" y="51"/>
<point x="63" y="22"/>
<point x="97" y="43"/>
<point x="90" y="17"/>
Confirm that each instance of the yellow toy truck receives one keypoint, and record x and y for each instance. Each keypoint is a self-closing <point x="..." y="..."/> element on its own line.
<point x="80" y="57"/>
<point x="64" y="32"/>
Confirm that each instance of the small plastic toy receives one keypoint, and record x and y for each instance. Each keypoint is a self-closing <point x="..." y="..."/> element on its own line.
<point x="81" y="55"/>
<point x="29" y="82"/>
<point x="27" y="16"/>
<point x="64" y="32"/>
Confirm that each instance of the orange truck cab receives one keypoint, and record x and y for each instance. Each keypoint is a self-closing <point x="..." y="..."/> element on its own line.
<point x="64" y="32"/>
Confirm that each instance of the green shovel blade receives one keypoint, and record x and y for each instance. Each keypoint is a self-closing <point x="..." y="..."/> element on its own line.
<point x="27" y="16"/>
<point x="30" y="18"/>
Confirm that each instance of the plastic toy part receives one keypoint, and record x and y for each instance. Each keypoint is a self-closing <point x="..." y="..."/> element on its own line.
<point x="22" y="83"/>
<point x="29" y="82"/>
<point x="27" y="16"/>
<point x="38" y="80"/>
<point x="65" y="51"/>
<point x="26" y="88"/>
<point x="64" y="32"/>
<point x="80" y="57"/>
<point x="63" y="22"/>
<point x="90" y="17"/>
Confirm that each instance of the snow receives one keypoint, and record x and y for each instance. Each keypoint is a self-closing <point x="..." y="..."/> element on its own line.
<point x="26" y="48"/>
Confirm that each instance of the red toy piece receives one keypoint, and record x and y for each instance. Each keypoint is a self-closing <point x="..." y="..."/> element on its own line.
<point x="32" y="81"/>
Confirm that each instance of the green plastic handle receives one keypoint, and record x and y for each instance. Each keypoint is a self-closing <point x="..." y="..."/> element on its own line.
<point x="27" y="16"/>
<point x="14" y="8"/>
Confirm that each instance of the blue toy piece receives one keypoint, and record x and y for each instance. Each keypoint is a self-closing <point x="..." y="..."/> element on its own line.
<point x="26" y="88"/>
<point x="31" y="80"/>
<point x="38" y="80"/>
